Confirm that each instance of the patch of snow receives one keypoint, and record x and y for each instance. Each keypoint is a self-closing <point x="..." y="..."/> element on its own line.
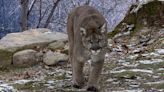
<point x="141" y="70"/>
<point x="1" y="81"/>
<point x="133" y="56"/>
<point x="22" y="81"/>
<point x="7" y="88"/>
<point x="153" y="61"/>
<point x="51" y="87"/>
<point x="161" y="0"/>
<point x="50" y="82"/>
<point x="133" y="70"/>
<point x="137" y="90"/>
<point x="49" y="32"/>
<point x="160" y="51"/>
<point x="125" y="33"/>
<point x="156" y="82"/>
<point x="130" y="65"/>
<point x="161" y="69"/>
<point x="154" y="54"/>
<point x="137" y="50"/>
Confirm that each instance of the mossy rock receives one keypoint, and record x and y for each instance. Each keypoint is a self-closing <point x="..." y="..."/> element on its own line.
<point x="58" y="45"/>
<point x="151" y="14"/>
<point x="5" y="58"/>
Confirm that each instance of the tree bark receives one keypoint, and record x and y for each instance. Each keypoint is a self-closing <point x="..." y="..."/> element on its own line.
<point x="24" y="16"/>
<point x="31" y="6"/>
<point x="51" y="14"/>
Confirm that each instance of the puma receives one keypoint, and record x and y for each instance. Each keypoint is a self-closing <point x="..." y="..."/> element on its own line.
<point x="87" y="36"/>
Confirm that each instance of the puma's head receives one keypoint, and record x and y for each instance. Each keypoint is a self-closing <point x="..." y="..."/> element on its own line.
<point x="94" y="38"/>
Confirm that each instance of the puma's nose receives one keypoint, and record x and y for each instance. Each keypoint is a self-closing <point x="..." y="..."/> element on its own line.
<point x="95" y="47"/>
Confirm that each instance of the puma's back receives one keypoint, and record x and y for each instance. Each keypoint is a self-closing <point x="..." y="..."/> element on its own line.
<point x="86" y="17"/>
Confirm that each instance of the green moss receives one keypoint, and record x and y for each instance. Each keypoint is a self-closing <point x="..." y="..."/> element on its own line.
<point x="151" y="66"/>
<point x="29" y="86"/>
<point x="6" y="58"/>
<point x="110" y="66"/>
<point x="57" y="77"/>
<point x="131" y="75"/>
<point x="5" y="54"/>
<point x="127" y="74"/>
<point x="113" y="33"/>
<point x="60" y="77"/>
<point x="157" y="86"/>
<point x="161" y="74"/>
<point x="151" y="8"/>
<point x="4" y="69"/>
<point x="65" y="51"/>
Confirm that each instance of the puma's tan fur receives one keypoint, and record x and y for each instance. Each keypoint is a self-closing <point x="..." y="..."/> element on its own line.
<point x="87" y="34"/>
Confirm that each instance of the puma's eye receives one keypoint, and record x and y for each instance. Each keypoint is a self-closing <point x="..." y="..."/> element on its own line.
<point x="99" y="27"/>
<point x="98" y="40"/>
<point x="90" y="41"/>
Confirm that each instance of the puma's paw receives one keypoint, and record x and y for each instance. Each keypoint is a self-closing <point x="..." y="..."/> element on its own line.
<point x="92" y="89"/>
<point x="76" y="86"/>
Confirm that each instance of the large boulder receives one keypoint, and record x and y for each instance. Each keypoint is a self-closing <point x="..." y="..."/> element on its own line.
<point x="58" y="45"/>
<point x="26" y="58"/>
<point x="51" y="58"/>
<point x="29" y="39"/>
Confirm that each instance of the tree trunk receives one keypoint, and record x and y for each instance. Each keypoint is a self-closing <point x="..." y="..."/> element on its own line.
<point x="24" y="17"/>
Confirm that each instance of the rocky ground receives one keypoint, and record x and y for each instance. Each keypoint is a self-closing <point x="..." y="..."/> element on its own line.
<point x="133" y="64"/>
<point x="134" y="61"/>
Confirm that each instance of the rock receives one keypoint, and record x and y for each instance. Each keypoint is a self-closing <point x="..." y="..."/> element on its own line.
<point x="110" y="43"/>
<point x="137" y="50"/>
<point x="26" y="40"/>
<point x="160" y="51"/>
<point x="25" y="58"/>
<point x="51" y="58"/>
<point x="151" y="41"/>
<point x="5" y="57"/>
<point x="7" y="88"/>
<point x="56" y="45"/>
<point x="65" y="50"/>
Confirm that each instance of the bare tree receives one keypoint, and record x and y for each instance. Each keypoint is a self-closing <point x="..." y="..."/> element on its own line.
<point x="40" y="13"/>
<point x="3" y="19"/>
<point x="31" y="6"/>
<point x="87" y="2"/>
<point x="51" y="13"/>
<point x="24" y="14"/>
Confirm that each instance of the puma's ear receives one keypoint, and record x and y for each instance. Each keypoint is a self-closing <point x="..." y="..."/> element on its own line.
<point x="103" y="28"/>
<point x="83" y="31"/>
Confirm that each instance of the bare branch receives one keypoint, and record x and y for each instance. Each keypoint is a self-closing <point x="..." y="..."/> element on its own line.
<point x="40" y="13"/>
<point x="87" y="2"/>
<point x="31" y="6"/>
<point x="74" y="4"/>
<point x="51" y="13"/>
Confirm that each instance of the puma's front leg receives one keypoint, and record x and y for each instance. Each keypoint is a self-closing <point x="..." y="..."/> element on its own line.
<point x="96" y="68"/>
<point x="78" y="77"/>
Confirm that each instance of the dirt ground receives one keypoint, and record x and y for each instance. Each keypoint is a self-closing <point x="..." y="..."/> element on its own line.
<point x="132" y="64"/>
